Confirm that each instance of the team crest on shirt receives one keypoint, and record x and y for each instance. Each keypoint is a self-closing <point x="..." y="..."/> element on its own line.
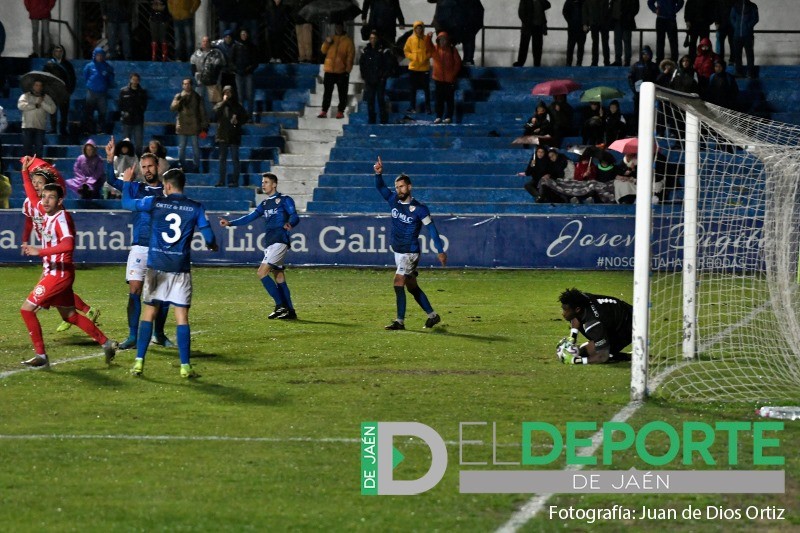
<point x="412" y="208"/>
<point x="39" y="291"/>
<point x="277" y="201"/>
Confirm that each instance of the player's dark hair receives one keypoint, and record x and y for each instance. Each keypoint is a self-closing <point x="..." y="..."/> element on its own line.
<point x="403" y="178"/>
<point x="573" y="298"/>
<point x="176" y="177"/>
<point x="149" y="155"/>
<point x="270" y="176"/>
<point x="54" y="187"/>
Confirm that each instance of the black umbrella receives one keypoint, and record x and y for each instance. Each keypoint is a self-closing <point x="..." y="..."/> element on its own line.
<point x="53" y="86"/>
<point x="330" y="11"/>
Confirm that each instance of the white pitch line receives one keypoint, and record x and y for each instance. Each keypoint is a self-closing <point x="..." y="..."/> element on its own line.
<point x="537" y="503"/>
<point x="9" y="373"/>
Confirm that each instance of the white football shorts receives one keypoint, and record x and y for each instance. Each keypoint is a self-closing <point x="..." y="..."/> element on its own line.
<point x="275" y="254"/>
<point x="406" y="264"/>
<point x="137" y="263"/>
<point x="174" y="288"/>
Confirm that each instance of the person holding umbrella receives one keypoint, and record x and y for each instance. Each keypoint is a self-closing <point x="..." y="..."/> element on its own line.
<point x="35" y="106"/>
<point x="60" y="67"/>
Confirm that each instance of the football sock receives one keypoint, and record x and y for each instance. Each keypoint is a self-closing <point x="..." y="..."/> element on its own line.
<point x="400" y="296"/>
<point x="272" y="289"/>
<point x="183" y="336"/>
<point x="88" y="326"/>
<point x="134" y="312"/>
<point x="161" y="319"/>
<point x="79" y="304"/>
<point x="287" y="296"/>
<point x="421" y="299"/>
<point x="35" y="330"/>
<point x="143" y="340"/>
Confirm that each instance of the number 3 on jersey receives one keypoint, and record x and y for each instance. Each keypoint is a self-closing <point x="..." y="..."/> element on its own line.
<point x="175" y="225"/>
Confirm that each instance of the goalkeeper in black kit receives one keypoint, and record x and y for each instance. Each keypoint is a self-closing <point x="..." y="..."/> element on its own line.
<point x="605" y="321"/>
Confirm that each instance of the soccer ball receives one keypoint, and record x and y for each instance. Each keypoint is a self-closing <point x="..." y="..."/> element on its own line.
<point x="566" y="351"/>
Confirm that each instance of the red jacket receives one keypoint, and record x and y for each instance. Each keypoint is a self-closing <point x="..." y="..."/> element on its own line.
<point x="39" y="9"/>
<point x="704" y="62"/>
<point x="446" y="61"/>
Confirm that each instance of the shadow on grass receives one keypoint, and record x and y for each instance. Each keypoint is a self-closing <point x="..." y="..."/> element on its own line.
<point x="99" y="377"/>
<point x="225" y="393"/>
<point x="444" y="331"/>
<point x="321" y="322"/>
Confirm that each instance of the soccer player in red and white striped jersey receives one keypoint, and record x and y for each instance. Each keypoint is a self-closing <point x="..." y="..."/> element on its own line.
<point x="55" y="287"/>
<point x="36" y="173"/>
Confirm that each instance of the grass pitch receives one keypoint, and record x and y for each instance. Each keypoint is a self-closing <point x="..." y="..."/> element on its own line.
<point x="267" y="438"/>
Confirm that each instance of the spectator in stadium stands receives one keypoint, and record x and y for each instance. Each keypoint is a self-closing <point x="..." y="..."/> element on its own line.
<point x="625" y="182"/>
<point x="667" y="68"/>
<point x="225" y="45"/>
<point x="534" y="27"/>
<point x="623" y="19"/>
<point x="231" y="118"/>
<point x="446" y="66"/>
<point x="190" y="122"/>
<point x="211" y="92"/>
<point x="576" y="37"/>
<point x="464" y="30"/>
<point x="251" y="13"/>
<point x="156" y="148"/>
<point x="722" y="23"/>
<point x="124" y="158"/>
<point x="5" y="190"/>
<point x="744" y="17"/>
<point x="596" y="19"/>
<point x="159" y="21"/>
<point x="59" y="66"/>
<point x="132" y="106"/>
<point x="39" y="13"/>
<point x="616" y="127"/>
<point x="704" y="62"/>
<point x="227" y="16"/>
<point x="605" y="321"/>
<point x="539" y="125"/>
<point x="339" y="53"/>
<point x="666" y="26"/>
<point x="641" y="71"/>
<point x="593" y="130"/>
<point x="561" y="116"/>
<point x="245" y="61"/>
<point x="604" y="178"/>
<point x="88" y="173"/>
<point x="383" y="17"/>
<point x="699" y="15"/>
<point x="685" y="78"/>
<point x="419" y="66"/>
<point x="117" y="17"/>
<point x="182" y="12"/>
<point x="722" y="87"/>
<point x="279" y="32"/>
<point x="375" y="67"/>
<point x="304" y="31"/>
<point x="585" y="169"/>
<point x="35" y="106"/>
<point x="561" y="171"/>
<point x="538" y="167"/>
<point x="99" y="77"/>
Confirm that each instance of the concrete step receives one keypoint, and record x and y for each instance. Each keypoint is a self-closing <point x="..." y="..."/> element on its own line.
<point x="303" y="160"/>
<point x="297" y="174"/>
<point x="311" y="122"/>
<point x="310" y="147"/>
<point x="311" y="135"/>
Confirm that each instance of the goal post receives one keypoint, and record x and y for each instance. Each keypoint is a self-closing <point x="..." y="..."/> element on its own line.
<point x="716" y="298"/>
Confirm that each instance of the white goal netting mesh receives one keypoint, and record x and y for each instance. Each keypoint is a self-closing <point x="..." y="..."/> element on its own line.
<point x="747" y="294"/>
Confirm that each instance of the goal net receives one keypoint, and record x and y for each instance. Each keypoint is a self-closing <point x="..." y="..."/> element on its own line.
<point x="716" y="294"/>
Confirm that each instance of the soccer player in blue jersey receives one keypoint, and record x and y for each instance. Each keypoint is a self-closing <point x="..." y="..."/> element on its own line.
<point x="168" y="279"/>
<point x="137" y="256"/>
<point x="280" y="216"/>
<point x="408" y="217"/>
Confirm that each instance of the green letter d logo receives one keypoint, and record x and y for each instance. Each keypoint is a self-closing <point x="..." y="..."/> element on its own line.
<point x="389" y="486"/>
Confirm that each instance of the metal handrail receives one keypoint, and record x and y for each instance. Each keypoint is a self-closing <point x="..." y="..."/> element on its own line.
<point x="71" y="32"/>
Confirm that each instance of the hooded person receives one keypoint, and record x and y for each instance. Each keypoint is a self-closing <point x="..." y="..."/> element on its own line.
<point x="704" y="62"/>
<point x="667" y="68"/>
<point x="615" y="124"/>
<point x="88" y="173"/>
<point x="446" y="66"/>
<point x="99" y="77"/>
<point x="685" y="78"/>
<point x="538" y="167"/>
<point x="419" y="65"/>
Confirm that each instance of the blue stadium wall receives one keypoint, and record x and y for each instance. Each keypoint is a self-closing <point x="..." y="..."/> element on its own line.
<point x="591" y="241"/>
